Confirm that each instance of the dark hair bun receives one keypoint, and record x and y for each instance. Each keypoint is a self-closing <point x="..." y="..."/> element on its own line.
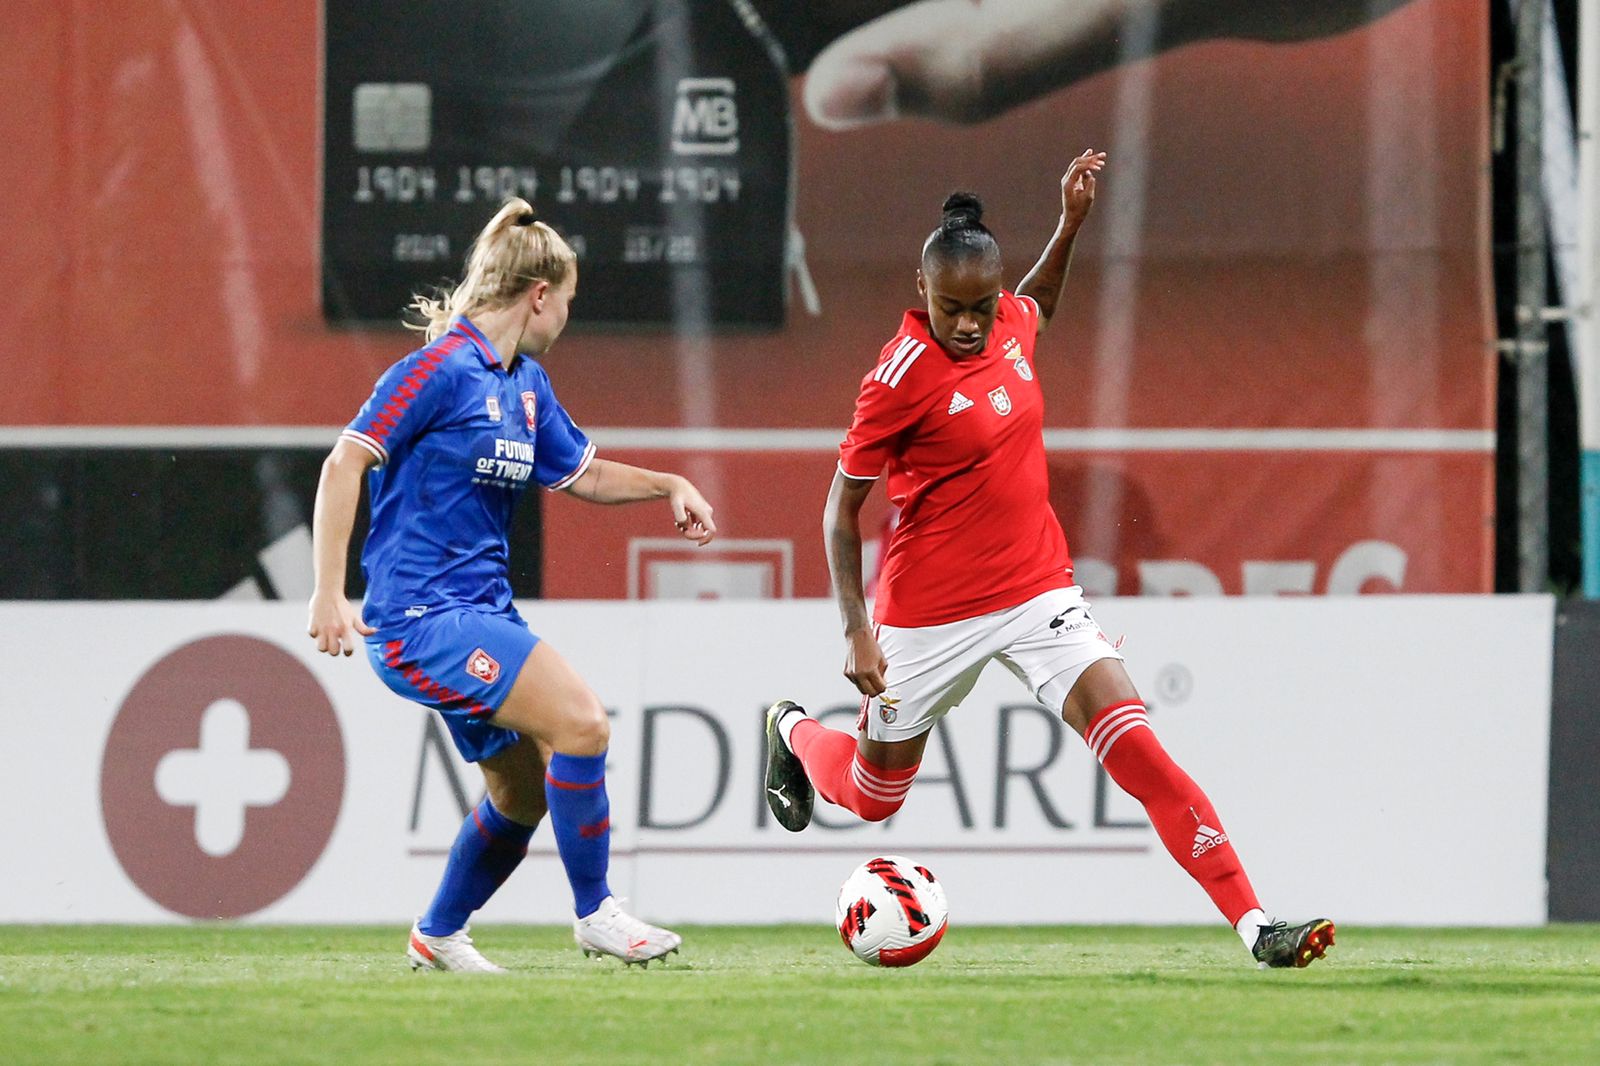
<point x="962" y="210"/>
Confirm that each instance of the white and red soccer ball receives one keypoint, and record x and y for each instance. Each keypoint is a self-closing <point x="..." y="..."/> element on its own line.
<point x="891" y="912"/>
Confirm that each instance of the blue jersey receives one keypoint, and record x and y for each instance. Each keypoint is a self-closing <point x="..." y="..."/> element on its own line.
<point x="458" y="438"/>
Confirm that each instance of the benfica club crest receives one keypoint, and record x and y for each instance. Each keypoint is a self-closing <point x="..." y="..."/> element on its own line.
<point x="1020" y="364"/>
<point x="530" y="408"/>
<point x="1002" y="402"/>
<point x="887" y="709"/>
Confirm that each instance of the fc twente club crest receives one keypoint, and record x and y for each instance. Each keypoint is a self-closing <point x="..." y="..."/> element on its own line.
<point x="530" y="408"/>
<point x="1002" y="402"/>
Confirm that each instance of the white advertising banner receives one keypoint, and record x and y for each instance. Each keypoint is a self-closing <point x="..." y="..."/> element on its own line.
<point x="1375" y="759"/>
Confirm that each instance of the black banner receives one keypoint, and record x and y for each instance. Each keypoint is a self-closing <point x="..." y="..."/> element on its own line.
<point x="185" y="524"/>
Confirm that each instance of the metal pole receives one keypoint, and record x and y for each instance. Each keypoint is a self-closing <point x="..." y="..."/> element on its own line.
<point x="1585" y="327"/>
<point x="1533" y="467"/>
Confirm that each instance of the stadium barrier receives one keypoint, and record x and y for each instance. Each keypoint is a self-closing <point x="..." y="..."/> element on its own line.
<point x="1574" y="768"/>
<point x="1382" y="759"/>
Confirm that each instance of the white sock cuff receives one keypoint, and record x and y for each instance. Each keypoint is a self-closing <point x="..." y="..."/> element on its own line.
<point x="1249" y="927"/>
<point x="786" y="724"/>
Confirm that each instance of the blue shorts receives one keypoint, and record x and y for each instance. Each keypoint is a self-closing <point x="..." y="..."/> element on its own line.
<point x="461" y="662"/>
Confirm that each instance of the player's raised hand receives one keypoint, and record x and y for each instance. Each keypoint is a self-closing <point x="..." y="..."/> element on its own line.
<point x="1077" y="185"/>
<point x="335" y="625"/>
<point x="691" y="513"/>
<point x="864" y="663"/>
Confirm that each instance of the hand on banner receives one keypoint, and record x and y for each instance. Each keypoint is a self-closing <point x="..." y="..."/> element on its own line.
<point x="335" y="624"/>
<point x="691" y="513"/>
<point x="1077" y="186"/>
<point x="969" y="60"/>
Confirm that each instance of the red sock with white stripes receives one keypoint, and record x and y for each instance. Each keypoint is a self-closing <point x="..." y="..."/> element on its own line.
<point x="842" y="776"/>
<point x="1121" y="738"/>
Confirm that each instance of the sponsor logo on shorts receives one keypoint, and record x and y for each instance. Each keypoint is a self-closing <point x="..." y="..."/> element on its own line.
<point x="1061" y="626"/>
<point x="481" y="665"/>
<point x="1000" y="400"/>
<point x="530" y="408"/>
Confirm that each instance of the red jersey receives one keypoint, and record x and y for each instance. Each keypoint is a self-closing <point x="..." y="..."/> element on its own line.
<point x="963" y="440"/>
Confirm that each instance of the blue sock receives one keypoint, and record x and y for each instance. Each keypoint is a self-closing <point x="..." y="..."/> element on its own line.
<point x="487" y="849"/>
<point x="580" y="815"/>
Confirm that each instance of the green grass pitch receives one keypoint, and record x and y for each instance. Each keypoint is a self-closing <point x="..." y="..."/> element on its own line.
<point x="97" y="994"/>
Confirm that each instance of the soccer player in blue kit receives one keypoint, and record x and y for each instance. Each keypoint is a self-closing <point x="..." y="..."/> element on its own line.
<point x="452" y="435"/>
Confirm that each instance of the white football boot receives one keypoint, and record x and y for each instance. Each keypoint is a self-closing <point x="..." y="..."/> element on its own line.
<point x="454" y="952"/>
<point x="612" y="931"/>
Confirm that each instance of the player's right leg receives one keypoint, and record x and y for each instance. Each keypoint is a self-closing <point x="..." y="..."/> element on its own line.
<point x="869" y="771"/>
<point x="551" y="703"/>
<point x="868" y="777"/>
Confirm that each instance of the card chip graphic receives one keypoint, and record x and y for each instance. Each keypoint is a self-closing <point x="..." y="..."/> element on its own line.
<point x="393" y="117"/>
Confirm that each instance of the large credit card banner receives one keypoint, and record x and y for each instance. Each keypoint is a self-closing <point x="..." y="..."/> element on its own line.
<point x="1289" y="257"/>
<point x="654" y="136"/>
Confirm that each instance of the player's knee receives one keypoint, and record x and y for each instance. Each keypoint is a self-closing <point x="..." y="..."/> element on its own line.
<point x="586" y="731"/>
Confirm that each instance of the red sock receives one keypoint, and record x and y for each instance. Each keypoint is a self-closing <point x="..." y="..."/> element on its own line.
<point x="842" y="776"/>
<point x="1121" y="738"/>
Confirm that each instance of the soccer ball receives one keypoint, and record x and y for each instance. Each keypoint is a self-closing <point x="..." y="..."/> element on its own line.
<point x="891" y="912"/>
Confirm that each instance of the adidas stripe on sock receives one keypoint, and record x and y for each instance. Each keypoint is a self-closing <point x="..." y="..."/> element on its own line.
<point x="1121" y="738"/>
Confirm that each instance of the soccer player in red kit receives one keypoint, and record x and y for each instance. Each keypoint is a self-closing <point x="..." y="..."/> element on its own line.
<point x="977" y="569"/>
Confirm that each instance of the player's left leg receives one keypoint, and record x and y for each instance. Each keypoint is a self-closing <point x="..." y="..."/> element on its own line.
<point x="450" y="660"/>
<point x="1055" y="647"/>
<point x="491" y="844"/>
<point x="493" y="839"/>
<point x="1105" y="708"/>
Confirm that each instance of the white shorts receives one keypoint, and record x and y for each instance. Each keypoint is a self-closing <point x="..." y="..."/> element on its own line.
<point x="1048" y="642"/>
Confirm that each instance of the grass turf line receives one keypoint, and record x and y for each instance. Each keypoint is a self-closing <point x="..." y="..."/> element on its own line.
<point x="250" y="994"/>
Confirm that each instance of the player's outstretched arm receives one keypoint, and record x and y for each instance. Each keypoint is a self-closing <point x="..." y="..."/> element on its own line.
<point x="335" y="624"/>
<point x="606" y="481"/>
<point x="1044" y="282"/>
<point x="841" y="529"/>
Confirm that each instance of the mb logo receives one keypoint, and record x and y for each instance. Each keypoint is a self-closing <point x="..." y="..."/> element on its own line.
<point x="705" y="118"/>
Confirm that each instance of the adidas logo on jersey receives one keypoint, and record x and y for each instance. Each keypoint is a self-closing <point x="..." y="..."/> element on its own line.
<point x="1206" y="838"/>
<point x="958" y="403"/>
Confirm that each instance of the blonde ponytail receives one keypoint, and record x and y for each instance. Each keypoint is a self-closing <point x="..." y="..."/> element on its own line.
<point x="511" y="253"/>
